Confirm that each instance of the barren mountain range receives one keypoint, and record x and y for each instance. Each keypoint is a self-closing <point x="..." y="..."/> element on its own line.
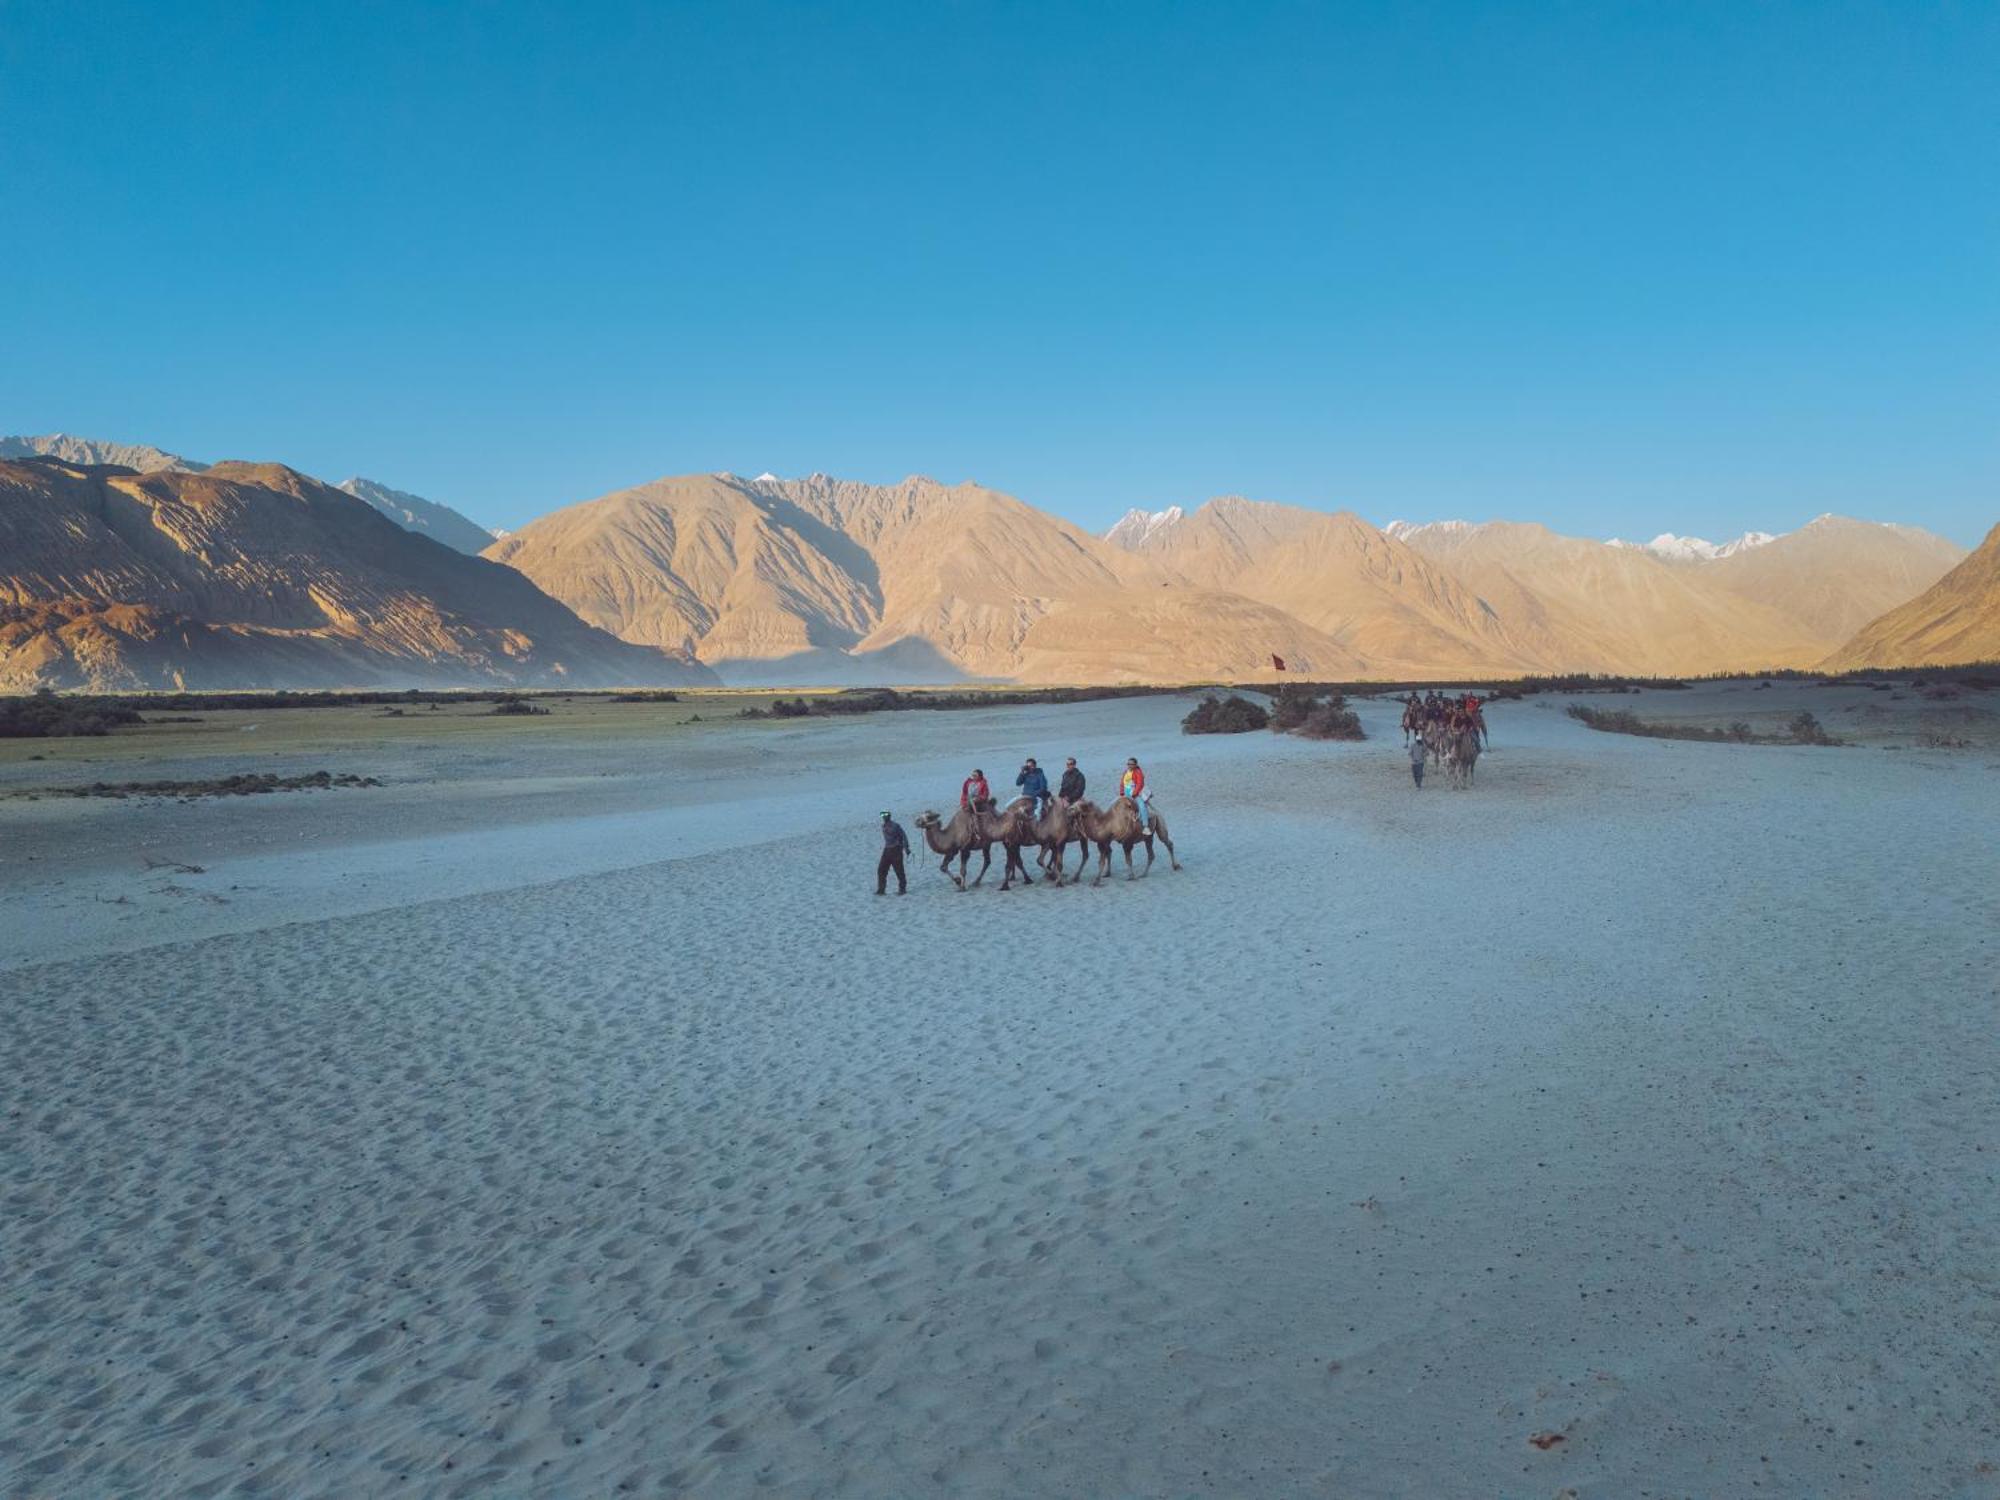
<point x="254" y="574"/>
<point x="823" y="579"/>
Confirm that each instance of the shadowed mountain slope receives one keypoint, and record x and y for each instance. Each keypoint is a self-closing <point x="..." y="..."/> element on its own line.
<point x="415" y="513"/>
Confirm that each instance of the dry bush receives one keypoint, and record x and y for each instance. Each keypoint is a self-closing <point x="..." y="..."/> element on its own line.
<point x="1231" y="715"/>
<point x="1332" y="722"/>
<point x="1294" y="705"/>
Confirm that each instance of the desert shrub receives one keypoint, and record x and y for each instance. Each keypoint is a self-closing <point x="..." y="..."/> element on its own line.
<point x="1806" y="730"/>
<point x="1294" y="705"/>
<point x="1331" y="721"/>
<point x="1622" y="721"/>
<point x="1289" y="709"/>
<point x="517" y="708"/>
<point x="884" y="700"/>
<point x="1231" y="715"/>
<point x="648" y="696"/>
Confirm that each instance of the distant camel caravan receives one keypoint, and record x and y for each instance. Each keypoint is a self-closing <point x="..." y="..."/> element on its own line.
<point x="1453" y="730"/>
<point x="976" y="829"/>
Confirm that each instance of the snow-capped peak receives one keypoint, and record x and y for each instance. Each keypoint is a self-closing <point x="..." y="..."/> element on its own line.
<point x="767" y="477"/>
<point x="1681" y="548"/>
<point x="1403" y="531"/>
<point x="1673" y="548"/>
<point x="1136" y="527"/>
<point x="1745" y="543"/>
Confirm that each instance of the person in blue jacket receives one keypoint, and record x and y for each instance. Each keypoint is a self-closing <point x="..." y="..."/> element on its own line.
<point x="1033" y="784"/>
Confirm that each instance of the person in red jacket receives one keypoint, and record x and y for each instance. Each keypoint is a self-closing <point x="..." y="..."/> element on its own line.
<point x="973" y="790"/>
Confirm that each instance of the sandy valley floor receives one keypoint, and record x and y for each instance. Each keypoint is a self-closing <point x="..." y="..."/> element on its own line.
<point x="567" y="1117"/>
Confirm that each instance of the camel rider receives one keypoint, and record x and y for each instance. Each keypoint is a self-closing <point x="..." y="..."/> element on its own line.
<point x="1133" y="784"/>
<point x="895" y="844"/>
<point x="974" y="790"/>
<point x="1071" y="787"/>
<point x="1418" y="749"/>
<point x="1474" y="711"/>
<point x="1034" y="785"/>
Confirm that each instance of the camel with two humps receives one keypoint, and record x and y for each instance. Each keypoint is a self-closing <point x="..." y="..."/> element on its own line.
<point x="1121" y="824"/>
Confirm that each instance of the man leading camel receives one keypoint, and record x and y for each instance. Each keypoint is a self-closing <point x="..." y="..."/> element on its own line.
<point x="895" y="844"/>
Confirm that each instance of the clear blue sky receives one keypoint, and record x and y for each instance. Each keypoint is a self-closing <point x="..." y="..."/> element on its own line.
<point x="1619" y="267"/>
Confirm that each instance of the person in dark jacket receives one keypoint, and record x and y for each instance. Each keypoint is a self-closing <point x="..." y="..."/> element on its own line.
<point x="895" y="844"/>
<point x="1034" y="784"/>
<point x="1071" y="787"/>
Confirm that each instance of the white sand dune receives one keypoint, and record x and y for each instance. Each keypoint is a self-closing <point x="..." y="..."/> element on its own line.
<point x="1646" y="1096"/>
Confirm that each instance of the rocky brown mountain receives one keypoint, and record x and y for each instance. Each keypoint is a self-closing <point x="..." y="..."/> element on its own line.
<point x="1834" y="574"/>
<point x="820" y="579"/>
<point x="1954" y="621"/>
<point x="79" y="450"/>
<point x="1386" y="603"/>
<point x="253" y="575"/>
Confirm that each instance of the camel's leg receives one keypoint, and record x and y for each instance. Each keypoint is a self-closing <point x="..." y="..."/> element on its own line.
<point x="944" y="869"/>
<point x="985" y="862"/>
<point x="1129" y="873"/>
<point x="1103" y="862"/>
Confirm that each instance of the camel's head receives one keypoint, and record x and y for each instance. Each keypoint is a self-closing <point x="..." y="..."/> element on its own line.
<point x="927" y="819"/>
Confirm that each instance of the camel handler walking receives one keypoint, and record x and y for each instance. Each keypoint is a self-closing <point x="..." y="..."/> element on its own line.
<point x="1418" y="750"/>
<point x="895" y="844"/>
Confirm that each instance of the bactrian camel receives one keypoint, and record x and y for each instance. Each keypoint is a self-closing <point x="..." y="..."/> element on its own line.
<point x="959" y="839"/>
<point x="1121" y="824"/>
<point x="1461" y="755"/>
<point x="1057" y="829"/>
<point x="1010" y="828"/>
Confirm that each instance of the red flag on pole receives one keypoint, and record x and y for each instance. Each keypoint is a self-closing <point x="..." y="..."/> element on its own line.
<point x="1277" y="661"/>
